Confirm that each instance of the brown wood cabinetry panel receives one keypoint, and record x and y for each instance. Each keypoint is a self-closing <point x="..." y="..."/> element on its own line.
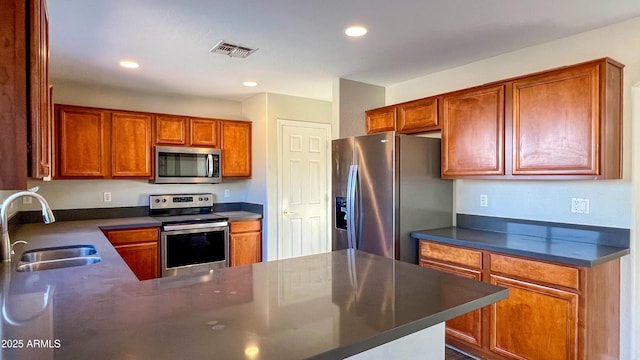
<point x="473" y="132"/>
<point x="139" y="248"/>
<point x="535" y="322"/>
<point x="556" y="124"/>
<point x="129" y="236"/>
<point x="418" y="116"/>
<point x="245" y="242"/>
<point x="130" y="144"/>
<point x="467" y="327"/>
<point x="170" y="130"/>
<point x="451" y="254"/>
<point x="204" y="132"/>
<point x="382" y="119"/>
<point x="13" y="87"/>
<point x="245" y="248"/>
<point x="82" y="142"/>
<point x="40" y="116"/>
<point x="558" y="275"/>
<point x="245" y="226"/>
<point x="142" y="258"/>
<point x="236" y="148"/>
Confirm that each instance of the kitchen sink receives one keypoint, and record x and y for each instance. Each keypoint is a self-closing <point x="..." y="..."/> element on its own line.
<point x="58" y="257"/>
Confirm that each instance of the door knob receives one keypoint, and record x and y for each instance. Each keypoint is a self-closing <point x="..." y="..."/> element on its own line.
<point x="287" y="212"/>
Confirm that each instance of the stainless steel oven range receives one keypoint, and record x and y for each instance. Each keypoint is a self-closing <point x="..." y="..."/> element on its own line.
<point x="193" y="239"/>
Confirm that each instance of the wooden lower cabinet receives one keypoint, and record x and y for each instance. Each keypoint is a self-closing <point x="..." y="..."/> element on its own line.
<point x="532" y="316"/>
<point x="139" y="248"/>
<point x="245" y="242"/>
<point x="467" y="327"/>
<point x="554" y="311"/>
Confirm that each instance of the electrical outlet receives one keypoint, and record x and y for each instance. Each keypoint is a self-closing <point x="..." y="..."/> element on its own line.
<point x="484" y="200"/>
<point x="579" y="206"/>
<point x="227" y="193"/>
<point x="106" y="196"/>
<point x="26" y="200"/>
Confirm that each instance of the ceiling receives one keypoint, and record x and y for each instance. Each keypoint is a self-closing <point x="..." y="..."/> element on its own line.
<point x="301" y="43"/>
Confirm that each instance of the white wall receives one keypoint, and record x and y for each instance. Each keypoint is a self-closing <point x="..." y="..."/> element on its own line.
<point x="611" y="201"/>
<point x="350" y="100"/>
<point x="264" y="184"/>
<point x="75" y="194"/>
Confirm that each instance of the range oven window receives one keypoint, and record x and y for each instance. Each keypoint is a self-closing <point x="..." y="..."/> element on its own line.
<point x="194" y="248"/>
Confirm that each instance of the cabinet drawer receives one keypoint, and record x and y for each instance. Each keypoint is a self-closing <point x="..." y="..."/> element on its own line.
<point x="451" y="254"/>
<point x="130" y="236"/>
<point x="245" y="226"/>
<point x="536" y="271"/>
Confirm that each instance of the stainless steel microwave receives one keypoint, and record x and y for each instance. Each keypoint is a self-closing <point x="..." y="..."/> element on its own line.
<point x="187" y="165"/>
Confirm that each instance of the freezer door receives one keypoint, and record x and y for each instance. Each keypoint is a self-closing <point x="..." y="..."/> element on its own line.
<point x="342" y="159"/>
<point x="376" y="194"/>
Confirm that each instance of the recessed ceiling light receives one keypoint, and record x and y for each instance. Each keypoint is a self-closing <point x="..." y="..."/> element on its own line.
<point x="129" y="64"/>
<point x="250" y="83"/>
<point x="355" y="30"/>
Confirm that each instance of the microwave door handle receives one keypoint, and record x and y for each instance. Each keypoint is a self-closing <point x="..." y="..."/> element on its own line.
<point x="209" y="165"/>
<point x="206" y="167"/>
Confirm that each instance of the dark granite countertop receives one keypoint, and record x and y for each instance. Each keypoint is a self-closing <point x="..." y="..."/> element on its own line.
<point x="568" y="244"/>
<point x="323" y="306"/>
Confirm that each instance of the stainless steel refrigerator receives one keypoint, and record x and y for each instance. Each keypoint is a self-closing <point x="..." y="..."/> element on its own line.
<point x="386" y="185"/>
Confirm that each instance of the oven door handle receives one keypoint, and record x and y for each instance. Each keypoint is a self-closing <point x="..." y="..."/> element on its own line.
<point x="207" y="227"/>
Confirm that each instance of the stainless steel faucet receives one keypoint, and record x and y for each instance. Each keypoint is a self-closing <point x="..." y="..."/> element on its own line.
<point x="47" y="216"/>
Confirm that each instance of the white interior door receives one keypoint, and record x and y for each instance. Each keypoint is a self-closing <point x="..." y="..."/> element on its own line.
<point x="304" y="187"/>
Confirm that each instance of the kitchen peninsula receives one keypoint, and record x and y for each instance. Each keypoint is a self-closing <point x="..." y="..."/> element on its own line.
<point x="325" y="306"/>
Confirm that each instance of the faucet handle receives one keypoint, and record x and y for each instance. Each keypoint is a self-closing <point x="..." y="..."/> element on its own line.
<point x="17" y="242"/>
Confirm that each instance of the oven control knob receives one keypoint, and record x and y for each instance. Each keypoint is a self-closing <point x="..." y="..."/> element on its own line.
<point x="164" y="200"/>
<point x="206" y="199"/>
<point x="200" y="199"/>
<point x="157" y="201"/>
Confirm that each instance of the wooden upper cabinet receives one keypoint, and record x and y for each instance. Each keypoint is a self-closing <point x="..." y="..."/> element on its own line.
<point x="82" y="142"/>
<point x="204" y="132"/>
<point x="236" y="148"/>
<point x="40" y="111"/>
<point x="130" y="144"/>
<point x="170" y="130"/>
<point x="418" y="116"/>
<point x="566" y="122"/>
<point x="381" y="119"/>
<point x="473" y="132"/>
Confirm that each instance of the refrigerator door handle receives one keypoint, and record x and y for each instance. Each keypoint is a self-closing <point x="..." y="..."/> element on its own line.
<point x="349" y="202"/>
<point x="351" y="206"/>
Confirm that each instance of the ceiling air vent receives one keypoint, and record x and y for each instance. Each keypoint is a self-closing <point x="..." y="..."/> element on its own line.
<point x="232" y="50"/>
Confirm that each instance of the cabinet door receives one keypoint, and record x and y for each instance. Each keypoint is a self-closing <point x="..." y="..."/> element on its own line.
<point x="40" y="116"/>
<point x="82" y="142"/>
<point x="467" y="327"/>
<point x="170" y="130"/>
<point x="236" y="148"/>
<point x="142" y="258"/>
<point x="204" y="132"/>
<point x="473" y="133"/>
<point x="556" y="123"/>
<point x="418" y="116"/>
<point x="131" y="144"/>
<point x="535" y="322"/>
<point x="245" y="248"/>
<point x="380" y="120"/>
